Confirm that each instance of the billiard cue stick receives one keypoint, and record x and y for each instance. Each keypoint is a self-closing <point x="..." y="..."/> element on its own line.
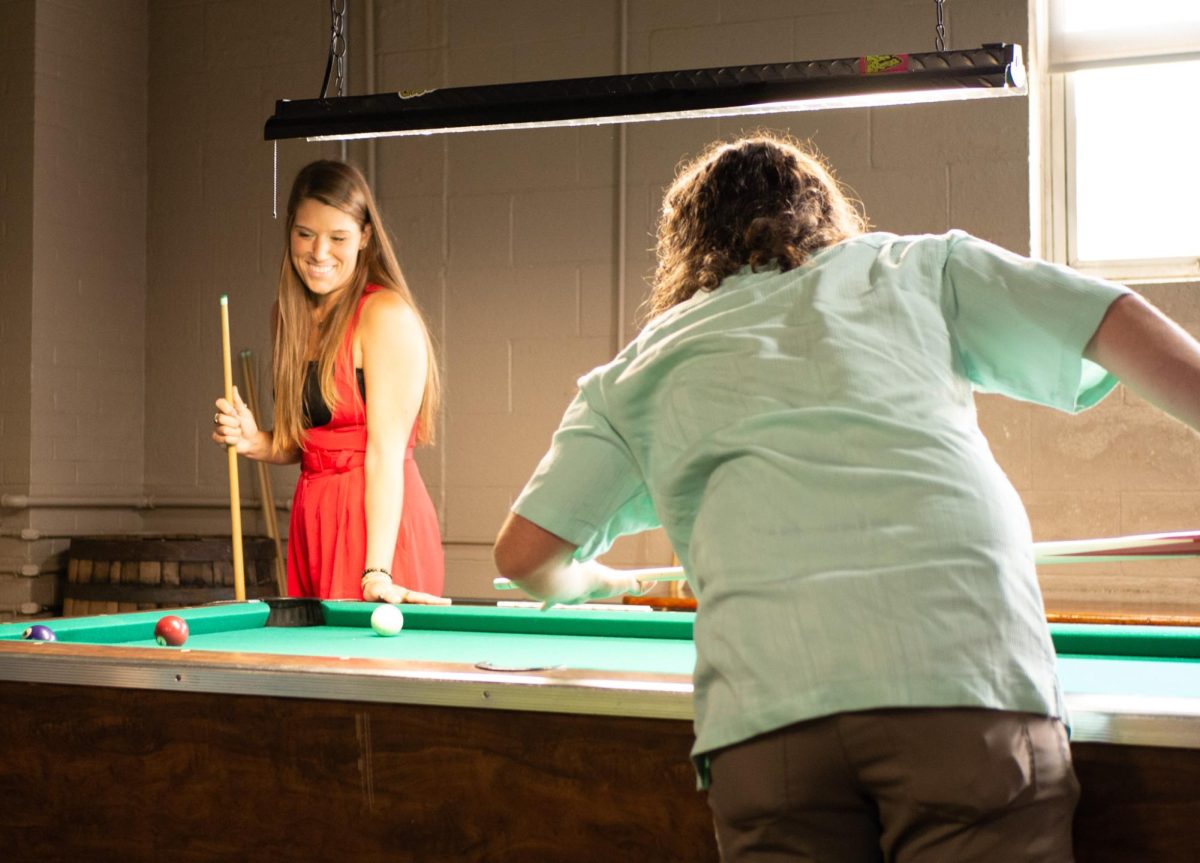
<point x="653" y="573"/>
<point x="1144" y="546"/>
<point x="266" y="494"/>
<point x="235" y="502"/>
<point x="675" y="590"/>
<point x="1141" y="546"/>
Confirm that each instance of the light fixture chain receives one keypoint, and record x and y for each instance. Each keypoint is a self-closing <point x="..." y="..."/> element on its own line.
<point x="336" y="62"/>
<point x="939" y="43"/>
<point x="337" y="10"/>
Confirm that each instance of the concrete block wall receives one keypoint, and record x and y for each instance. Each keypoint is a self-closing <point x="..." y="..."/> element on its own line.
<point x="78" y="177"/>
<point x="546" y="236"/>
<point x="16" y="241"/>
<point x="529" y="250"/>
<point x="216" y="70"/>
<point x="89" y="255"/>
<point x="16" y="268"/>
<point x="1120" y="468"/>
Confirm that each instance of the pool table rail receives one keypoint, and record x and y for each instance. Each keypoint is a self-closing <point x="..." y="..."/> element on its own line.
<point x="1103" y="707"/>
<point x="137" y="748"/>
<point x="439" y="684"/>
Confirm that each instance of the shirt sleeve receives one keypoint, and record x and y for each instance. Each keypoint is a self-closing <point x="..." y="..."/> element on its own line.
<point x="587" y="489"/>
<point x="1021" y="325"/>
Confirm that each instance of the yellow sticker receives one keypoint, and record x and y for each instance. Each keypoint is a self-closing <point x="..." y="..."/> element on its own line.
<point x="879" y="64"/>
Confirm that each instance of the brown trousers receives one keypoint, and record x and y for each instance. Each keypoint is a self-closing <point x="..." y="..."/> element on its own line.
<point x="901" y="786"/>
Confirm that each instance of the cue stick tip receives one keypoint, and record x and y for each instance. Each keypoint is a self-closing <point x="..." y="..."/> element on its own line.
<point x="224" y="299"/>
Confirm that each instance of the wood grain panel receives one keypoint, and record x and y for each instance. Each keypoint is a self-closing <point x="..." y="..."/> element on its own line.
<point x="105" y="774"/>
<point x="98" y="774"/>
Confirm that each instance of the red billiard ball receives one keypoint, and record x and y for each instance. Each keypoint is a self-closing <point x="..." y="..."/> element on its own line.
<point x="37" y="632"/>
<point x="171" y="630"/>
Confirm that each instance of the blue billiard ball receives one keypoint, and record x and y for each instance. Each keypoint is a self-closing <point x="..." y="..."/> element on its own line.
<point x="37" y="632"/>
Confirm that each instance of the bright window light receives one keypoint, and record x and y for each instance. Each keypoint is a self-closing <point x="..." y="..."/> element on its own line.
<point x="1082" y="16"/>
<point x="1136" y="177"/>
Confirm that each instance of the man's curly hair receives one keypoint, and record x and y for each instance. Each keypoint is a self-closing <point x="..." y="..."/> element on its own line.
<point x="762" y="200"/>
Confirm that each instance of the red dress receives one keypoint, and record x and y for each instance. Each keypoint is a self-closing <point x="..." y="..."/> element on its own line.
<point x="327" y="537"/>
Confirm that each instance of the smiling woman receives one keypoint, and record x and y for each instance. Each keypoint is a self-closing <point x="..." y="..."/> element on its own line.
<point x="356" y="389"/>
<point x="325" y="243"/>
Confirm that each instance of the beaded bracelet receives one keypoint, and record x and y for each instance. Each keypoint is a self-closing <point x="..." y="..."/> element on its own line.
<point x="375" y="573"/>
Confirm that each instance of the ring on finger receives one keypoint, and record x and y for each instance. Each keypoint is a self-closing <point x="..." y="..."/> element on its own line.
<point x="216" y="419"/>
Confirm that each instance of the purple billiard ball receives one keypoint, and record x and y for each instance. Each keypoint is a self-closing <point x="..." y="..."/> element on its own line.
<point x="37" y="632"/>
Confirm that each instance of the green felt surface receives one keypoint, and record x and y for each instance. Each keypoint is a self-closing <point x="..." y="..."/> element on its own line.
<point x="507" y="638"/>
<point x="1155" y="661"/>
<point x="1089" y="639"/>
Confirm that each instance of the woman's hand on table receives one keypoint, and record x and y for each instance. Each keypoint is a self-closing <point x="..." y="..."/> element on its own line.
<point x="380" y="590"/>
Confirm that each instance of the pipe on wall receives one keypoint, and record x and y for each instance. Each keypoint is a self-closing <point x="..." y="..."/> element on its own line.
<point x="24" y="609"/>
<point x="25" y="501"/>
<point x="30" y="534"/>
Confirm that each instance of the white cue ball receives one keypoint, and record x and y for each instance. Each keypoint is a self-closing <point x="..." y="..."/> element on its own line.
<point x="387" y="620"/>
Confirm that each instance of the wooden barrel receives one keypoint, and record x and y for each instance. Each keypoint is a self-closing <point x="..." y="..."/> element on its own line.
<point x="107" y="574"/>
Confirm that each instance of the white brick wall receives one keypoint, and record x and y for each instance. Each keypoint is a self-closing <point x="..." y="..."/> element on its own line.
<point x="216" y="70"/>
<point x="16" y="262"/>
<point x="89" y="252"/>
<point x="16" y="243"/>
<point x="73" y="270"/>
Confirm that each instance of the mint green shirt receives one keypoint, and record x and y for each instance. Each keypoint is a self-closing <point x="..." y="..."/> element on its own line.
<point x="809" y="442"/>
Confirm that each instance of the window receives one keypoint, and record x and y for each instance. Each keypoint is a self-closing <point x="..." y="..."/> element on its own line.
<point x="1123" y="137"/>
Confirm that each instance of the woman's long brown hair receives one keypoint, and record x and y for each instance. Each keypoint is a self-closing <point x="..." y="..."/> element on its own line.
<point x="339" y="185"/>
<point x="759" y="200"/>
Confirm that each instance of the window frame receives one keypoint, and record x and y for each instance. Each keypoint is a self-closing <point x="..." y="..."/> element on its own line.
<point x="1057" y="179"/>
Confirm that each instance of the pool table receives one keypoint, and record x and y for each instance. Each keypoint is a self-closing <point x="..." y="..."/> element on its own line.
<point x="289" y="730"/>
